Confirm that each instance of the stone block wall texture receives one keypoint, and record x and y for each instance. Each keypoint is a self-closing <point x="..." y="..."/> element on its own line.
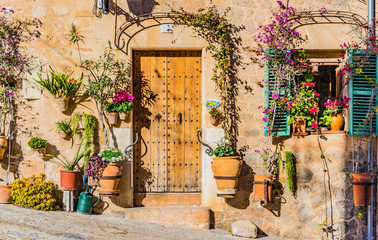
<point x="299" y="216"/>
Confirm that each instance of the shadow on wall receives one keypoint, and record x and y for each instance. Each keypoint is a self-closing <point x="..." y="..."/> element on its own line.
<point x="139" y="7"/>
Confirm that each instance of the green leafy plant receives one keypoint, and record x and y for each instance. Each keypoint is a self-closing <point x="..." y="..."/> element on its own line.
<point x="70" y="165"/>
<point x="112" y="155"/>
<point x="35" y="192"/>
<point x="37" y="143"/>
<point x="88" y="121"/>
<point x="223" y="148"/>
<point x="291" y="172"/>
<point x="64" y="125"/>
<point x="214" y="113"/>
<point x="112" y="107"/>
<point x="125" y="107"/>
<point x="60" y="85"/>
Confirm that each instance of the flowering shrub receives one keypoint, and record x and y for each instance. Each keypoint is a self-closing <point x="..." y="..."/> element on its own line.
<point x="223" y="148"/>
<point x="122" y="102"/>
<point x="95" y="167"/>
<point x="35" y="192"/>
<point x="336" y="106"/>
<point x="112" y="155"/>
<point x="122" y="96"/>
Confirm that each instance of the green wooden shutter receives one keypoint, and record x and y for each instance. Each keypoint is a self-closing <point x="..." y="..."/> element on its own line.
<point x="280" y="127"/>
<point x="360" y="92"/>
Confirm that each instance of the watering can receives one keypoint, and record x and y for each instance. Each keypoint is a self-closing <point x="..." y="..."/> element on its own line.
<point x="84" y="205"/>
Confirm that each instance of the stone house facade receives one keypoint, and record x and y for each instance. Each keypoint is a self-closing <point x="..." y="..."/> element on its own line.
<point x="156" y="48"/>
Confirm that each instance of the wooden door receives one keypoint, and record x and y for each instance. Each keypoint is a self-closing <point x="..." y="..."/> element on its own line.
<point x="167" y="116"/>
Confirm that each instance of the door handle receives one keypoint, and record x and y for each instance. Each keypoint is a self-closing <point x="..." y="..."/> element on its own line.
<point x="180" y="117"/>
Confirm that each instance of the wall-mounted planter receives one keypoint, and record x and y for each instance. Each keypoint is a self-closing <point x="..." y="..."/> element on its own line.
<point x="123" y="115"/>
<point x="226" y="173"/>
<point x="3" y="146"/>
<point x="112" y="117"/>
<point x="263" y="187"/>
<point x="110" y="179"/>
<point x="361" y="188"/>
<point x="214" y="121"/>
<point x="62" y="104"/>
<point x="69" y="179"/>
<point x="5" y="194"/>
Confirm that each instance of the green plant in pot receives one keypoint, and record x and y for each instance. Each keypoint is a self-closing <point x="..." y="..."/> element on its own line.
<point x="113" y="171"/>
<point x="226" y="167"/>
<point x="125" y="103"/>
<point x="111" y="112"/>
<point x="215" y="116"/>
<point x="69" y="176"/>
<point x="60" y="85"/>
<point x="64" y="128"/>
<point x="39" y="145"/>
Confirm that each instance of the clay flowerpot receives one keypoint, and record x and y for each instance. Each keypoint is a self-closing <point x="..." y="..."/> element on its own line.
<point x="5" y="194"/>
<point x="110" y="179"/>
<point x="214" y="121"/>
<point x="299" y="126"/>
<point x="226" y="173"/>
<point x="41" y="152"/>
<point x="361" y="188"/>
<point x="65" y="135"/>
<point x="62" y="103"/>
<point x="69" y="179"/>
<point x="263" y="187"/>
<point x="112" y="117"/>
<point x="123" y="115"/>
<point x="337" y="122"/>
<point x="3" y="146"/>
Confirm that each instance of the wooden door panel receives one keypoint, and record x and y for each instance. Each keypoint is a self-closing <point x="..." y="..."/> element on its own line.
<point x="167" y="157"/>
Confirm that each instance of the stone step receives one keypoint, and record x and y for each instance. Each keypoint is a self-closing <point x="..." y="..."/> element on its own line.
<point x="193" y="217"/>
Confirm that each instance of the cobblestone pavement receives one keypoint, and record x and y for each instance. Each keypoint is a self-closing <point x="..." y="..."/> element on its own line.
<point x="25" y="224"/>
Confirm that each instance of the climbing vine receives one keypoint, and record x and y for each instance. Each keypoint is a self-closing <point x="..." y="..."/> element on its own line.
<point x="224" y="46"/>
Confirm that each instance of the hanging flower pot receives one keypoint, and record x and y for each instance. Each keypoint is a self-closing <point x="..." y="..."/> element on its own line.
<point x="112" y="117"/>
<point x="299" y="126"/>
<point x="3" y="146"/>
<point x="263" y="187"/>
<point x="337" y="122"/>
<point x="123" y="115"/>
<point x="361" y="188"/>
<point x="69" y="179"/>
<point x="214" y="121"/>
<point x="62" y="103"/>
<point x="65" y="135"/>
<point x="41" y="152"/>
<point x="110" y="179"/>
<point x="5" y="194"/>
<point x="226" y="172"/>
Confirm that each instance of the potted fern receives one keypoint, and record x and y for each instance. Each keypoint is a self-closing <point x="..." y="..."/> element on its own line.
<point x="226" y="166"/>
<point x="69" y="176"/>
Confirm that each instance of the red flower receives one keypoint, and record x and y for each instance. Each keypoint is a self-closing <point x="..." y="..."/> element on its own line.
<point x="313" y="110"/>
<point x="314" y="125"/>
<point x="316" y="94"/>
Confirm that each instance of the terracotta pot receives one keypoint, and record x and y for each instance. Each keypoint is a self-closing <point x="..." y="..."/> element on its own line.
<point x="112" y="117"/>
<point x="62" y="103"/>
<point x="123" y="115"/>
<point x="259" y="191"/>
<point x="41" y="152"/>
<point x="359" y="195"/>
<point x="214" y="121"/>
<point x="3" y="146"/>
<point x="226" y="172"/>
<point x="299" y="125"/>
<point x="110" y="179"/>
<point x="69" y="179"/>
<point x="337" y="122"/>
<point x="65" y="135"/>
<point x="5" y="194"/>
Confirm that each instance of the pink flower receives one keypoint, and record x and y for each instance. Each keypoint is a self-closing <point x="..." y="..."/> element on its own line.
<point x="316" y="94"/>
<point x="314" y="125"/>
<point x="313" y="110"/>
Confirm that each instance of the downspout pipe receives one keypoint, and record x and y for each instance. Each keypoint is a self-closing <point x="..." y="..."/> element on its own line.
<point x="371" y="32"/>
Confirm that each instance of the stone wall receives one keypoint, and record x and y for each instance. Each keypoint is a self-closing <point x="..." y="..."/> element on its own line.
<point x="299" y="216"/>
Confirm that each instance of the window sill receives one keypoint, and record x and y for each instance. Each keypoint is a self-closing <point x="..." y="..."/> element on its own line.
<point x="329" y="132"/>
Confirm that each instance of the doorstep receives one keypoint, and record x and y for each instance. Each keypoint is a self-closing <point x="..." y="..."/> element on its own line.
<point x="193" y="217"/>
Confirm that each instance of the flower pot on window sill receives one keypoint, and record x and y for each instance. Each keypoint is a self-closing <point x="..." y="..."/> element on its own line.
<point x="112" y="117"/>
<point x="299" y="126"/>
<point x="337" y="122"/>
<point x="361" y="188"/>
<point x="226" y="172"/>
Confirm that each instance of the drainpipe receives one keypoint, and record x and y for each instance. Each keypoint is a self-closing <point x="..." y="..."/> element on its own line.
<point x="371" y="208"/>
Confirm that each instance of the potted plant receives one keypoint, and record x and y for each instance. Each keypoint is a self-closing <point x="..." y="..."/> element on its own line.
<point x="113" y="171"/>
<point x="226" y="168"/>
<point x="60" y="85"/>
<point x="69" y="176"/>
<point x="111" y="112"/>
<point x="124" y="101"/>
<point x="262" y="182"/>
<point x="64" y="128"/>
<point x="39" y="145"/>
<point x="333" y="112"/>
<point x="95" y="167"/>
<point x="303" y="107"/>
<point x="84" y="124"/>
<point x="215" y="116"/>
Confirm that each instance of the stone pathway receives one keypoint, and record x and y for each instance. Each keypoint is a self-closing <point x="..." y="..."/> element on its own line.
<point x="25" y="224"/>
